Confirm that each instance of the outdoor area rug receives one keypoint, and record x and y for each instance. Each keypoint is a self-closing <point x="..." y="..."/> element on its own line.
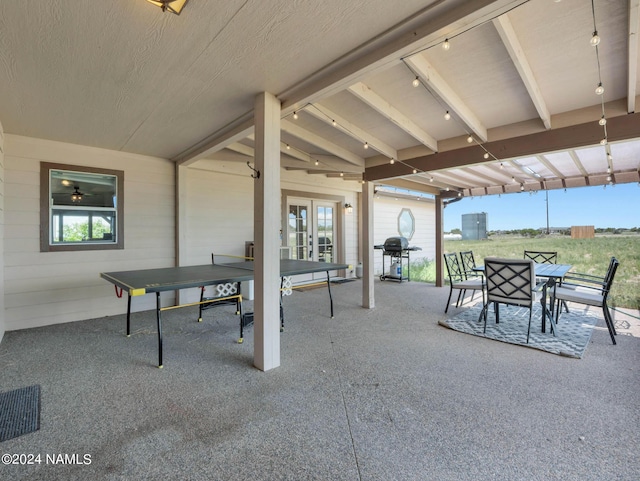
<point x="571" y="339"/>
<point x="19" y="412"/>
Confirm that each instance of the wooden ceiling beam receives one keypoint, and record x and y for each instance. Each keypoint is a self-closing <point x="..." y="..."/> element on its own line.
<point x="510" y="39"/>
<point x="624" y="127"/>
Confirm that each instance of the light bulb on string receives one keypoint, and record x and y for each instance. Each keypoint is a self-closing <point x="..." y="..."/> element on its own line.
<point x="295" y="115"/>
<point x="486" y="155"/>
<point x="469" y="139"/>
<point x="445" y="44"/>
<point x="334" y="123"/>
<point x="341" y="174"/>
<point x="288" y="147"/>
<point x="501" y="166"/>
<point x="599" y="89"/>
<point x="392" y="161"/>
<point x="602" y="121"/>
<point x="416" y="82"/>
<point x="366" y="145"/>
<point x="447" y="116"/>
<point x="415" y="171"/>
<point x="595" y="40"/>
<point x="316" y="162"/>
<point x="603" y="141"/>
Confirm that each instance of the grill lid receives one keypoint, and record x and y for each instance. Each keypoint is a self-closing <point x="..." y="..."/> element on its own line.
<point x="396" y="244"/>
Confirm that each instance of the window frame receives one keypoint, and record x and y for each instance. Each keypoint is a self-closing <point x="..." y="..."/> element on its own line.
<point x="45" y="212"/>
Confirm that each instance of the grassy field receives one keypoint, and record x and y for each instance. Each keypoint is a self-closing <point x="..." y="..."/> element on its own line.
<point x="585" y="255"/>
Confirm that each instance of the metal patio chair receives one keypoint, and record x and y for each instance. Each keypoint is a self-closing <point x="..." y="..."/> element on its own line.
<point x="589" y="290"/>
<point x="468" y="266"/>
<point x="458" y="279"/>
<point x="511" y="282"/>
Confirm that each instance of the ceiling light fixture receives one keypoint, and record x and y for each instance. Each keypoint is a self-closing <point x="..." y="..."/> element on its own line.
<point x="173" y="6"/>
<point x="76" y="196"/>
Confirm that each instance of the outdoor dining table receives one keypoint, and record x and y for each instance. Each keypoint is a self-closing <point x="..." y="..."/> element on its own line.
<point x="553" y="273"/>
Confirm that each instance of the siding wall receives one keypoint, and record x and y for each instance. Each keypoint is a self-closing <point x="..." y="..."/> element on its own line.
<point x="44" y="288"/>
<point x="385" y="225"/>
<point x="2" y="220"/>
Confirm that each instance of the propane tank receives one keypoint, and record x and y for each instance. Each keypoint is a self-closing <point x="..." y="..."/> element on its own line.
<point x="396" y="269"/>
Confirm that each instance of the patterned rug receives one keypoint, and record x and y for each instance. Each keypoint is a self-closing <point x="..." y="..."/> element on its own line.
<point x="571" y="337"/>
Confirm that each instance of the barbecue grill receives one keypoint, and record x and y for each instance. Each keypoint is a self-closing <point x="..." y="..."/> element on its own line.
<point x="397" y="249"/>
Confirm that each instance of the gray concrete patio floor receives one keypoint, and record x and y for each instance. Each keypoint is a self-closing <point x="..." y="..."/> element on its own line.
<point x="381" y="394"/>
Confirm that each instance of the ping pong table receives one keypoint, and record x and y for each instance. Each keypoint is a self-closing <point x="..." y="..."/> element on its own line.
<point x="141" y="282"/>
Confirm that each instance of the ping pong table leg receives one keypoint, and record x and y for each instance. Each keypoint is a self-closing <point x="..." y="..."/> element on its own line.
<point x="128" y="315"/>
<point x="330" y="297"/>
<point x="159" y="330"/>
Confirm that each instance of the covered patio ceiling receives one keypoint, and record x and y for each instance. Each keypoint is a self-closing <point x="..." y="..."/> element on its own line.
<point x="510" y="106"/>
<point x="364" y="86"/>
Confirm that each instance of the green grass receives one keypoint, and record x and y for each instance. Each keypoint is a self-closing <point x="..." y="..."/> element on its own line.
<point x="585" y="255"/>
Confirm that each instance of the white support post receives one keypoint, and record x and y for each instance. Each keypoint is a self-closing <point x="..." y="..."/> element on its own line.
<point x="266" y="228"/>
<point x="368" y="299"/>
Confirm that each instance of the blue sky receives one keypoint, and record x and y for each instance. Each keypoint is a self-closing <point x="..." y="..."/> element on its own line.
<point x="615" y="206"/>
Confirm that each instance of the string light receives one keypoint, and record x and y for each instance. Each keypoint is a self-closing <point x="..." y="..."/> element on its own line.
<point x="501" y="166"/>
<point x="469" y="139"/>
<point x="288" y="147"/>
<point x="415" y="171"/>
<point x="392" y="161"/>
<point x="445" y="44"/>
<point x="603" y="141"/>
<point x="316" y="162"/>
<point x="602" y="121"/>
<point x="599" y="89"/>
<point x="447" y="116"/>
<point x="341" y="174"/>
<point x="595" y="40"/>
<point x="486" y="155"/>
<point x="416" y="82"/>
<point x="334" y="123"/>
<point x="366" y="145"/>
<point x="295" y="115"/>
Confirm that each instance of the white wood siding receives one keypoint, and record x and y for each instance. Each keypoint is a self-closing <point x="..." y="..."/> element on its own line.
<point x="2" y="221"/>
<point x="44" y="288"/>
<point x="385" y="224"/>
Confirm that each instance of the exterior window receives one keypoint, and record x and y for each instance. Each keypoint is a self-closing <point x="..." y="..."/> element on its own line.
<point x="81" y="208"/>
<point x="406" y="223"/>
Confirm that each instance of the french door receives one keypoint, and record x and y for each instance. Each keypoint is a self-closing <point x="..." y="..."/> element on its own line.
<point x="311" y="231"/>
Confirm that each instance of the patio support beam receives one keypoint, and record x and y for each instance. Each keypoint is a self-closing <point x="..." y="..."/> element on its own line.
<point x="634" y="26"/>
<point x="623" y="127"/>
<point x="266" y="228"/>
<point x="439" y="241"/>
<point x="368" y="298"/>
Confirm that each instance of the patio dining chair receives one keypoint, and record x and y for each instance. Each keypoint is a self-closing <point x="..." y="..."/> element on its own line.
<point x="469" y="265"/>
<point x="458" y="280"/>
<point x="589" y="290"/>
<point x="544" y="257"/>
<point x="511" y="282"/>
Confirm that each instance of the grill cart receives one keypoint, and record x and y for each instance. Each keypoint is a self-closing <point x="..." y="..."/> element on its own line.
<point x="397" y="249"/>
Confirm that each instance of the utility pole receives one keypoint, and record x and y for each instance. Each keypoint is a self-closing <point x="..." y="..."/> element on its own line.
<point x="546" y="194"/>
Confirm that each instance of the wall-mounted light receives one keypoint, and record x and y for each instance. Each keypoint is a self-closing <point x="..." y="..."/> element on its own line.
<point x="348" y="208"/>
<point x="173" y="6"/>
